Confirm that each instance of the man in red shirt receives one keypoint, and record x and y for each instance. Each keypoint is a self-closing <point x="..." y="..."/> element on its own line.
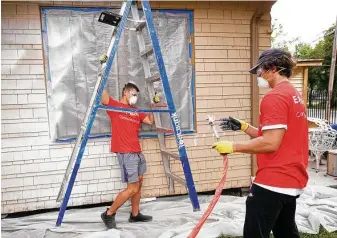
<point x="125" y="143"/>
<point x="281" y="145"/>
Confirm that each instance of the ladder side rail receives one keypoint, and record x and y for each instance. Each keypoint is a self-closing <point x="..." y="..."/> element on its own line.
<point x="96" y="97"/>
<point x="145" y="62"/>
<point x="174" y="119"/>
<point x="150" y="88"/>
<point x="86" y="117"/>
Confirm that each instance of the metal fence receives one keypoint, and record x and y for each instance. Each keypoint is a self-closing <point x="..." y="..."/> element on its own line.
<point x="317" y="105"/>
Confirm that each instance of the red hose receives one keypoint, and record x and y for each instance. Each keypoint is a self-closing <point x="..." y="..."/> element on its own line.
<point x="212" y="204"/>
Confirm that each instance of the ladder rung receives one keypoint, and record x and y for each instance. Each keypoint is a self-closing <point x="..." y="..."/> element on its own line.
<point x="153" y="78"/>
<point x="166" y="130"/>
<point x="147" y="52"/>
<point x="177" y="179"/>
<point x="122" y="109"/>
<point x="172" y="155"/>
<point x="140" y="25"/>
<point x="158" y="105"/>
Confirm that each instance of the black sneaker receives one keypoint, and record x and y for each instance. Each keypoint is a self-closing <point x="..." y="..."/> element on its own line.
<point x="140" y="218"/>
<point x="109" y="220"/>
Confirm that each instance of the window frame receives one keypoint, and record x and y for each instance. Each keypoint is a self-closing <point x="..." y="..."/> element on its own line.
<point x="89" y="9"/>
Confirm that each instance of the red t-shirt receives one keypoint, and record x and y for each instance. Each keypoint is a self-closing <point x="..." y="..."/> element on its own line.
<point x="283" y="107"/>
<point x="125" y="128"/>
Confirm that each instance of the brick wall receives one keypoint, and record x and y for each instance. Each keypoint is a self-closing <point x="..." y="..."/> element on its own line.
<point x="33" y="167"/>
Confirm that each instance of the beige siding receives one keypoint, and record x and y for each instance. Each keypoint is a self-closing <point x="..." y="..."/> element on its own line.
<point x="32" y="167"/>
<point x="297" y="79"/>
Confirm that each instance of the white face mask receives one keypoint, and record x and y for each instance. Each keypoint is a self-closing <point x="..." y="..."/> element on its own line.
<point x="133" y="100"/>
<point x="262" y="83"/>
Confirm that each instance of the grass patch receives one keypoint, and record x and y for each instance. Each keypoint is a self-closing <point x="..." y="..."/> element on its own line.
<point x="322" y="234"/>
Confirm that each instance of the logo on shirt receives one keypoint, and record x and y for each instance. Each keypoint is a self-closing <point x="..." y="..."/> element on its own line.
<point x="129" y="119"/>
<point x="297" y="99"/>
<point x="134" y="114"/>
<point x="301" y="114"/>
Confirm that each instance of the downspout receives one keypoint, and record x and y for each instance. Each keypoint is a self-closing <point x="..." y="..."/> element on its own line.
<point x="305" y="85"/>
<point x="254" y="54"/>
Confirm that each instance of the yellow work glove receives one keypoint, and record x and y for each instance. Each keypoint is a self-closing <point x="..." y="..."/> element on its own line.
<point x="156" y="98"/>
<point x="103" y="58"/>
<point x="224" y="147"/>
<point x="233" y="124"/>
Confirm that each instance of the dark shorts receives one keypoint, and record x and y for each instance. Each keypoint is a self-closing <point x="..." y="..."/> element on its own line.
<point x="132" y="166"/>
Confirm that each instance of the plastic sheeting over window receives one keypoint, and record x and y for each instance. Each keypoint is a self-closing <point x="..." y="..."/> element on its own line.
<point x="73" y="42"/>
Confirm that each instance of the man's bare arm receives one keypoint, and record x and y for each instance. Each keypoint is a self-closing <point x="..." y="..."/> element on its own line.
<point x="105" y="98"/>
<point x="269" y="142"/>
<point x="252" y="131"/>
<point x="149" y="119"/>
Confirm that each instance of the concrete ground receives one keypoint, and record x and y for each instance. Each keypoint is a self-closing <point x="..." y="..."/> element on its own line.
<point x="321" y="178"/>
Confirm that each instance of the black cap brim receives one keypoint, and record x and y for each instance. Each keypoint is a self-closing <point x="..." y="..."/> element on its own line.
<point x="265" y="55"/>
<point x="255" y="68"/>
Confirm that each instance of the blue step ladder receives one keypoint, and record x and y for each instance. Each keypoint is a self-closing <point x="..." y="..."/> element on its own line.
<point x="118" y="22"/>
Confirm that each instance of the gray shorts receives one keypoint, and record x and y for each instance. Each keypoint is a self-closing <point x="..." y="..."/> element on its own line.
<point x="132" y="166"/>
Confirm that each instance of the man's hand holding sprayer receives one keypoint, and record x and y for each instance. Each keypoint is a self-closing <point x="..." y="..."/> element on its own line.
<point x="233" y="124"/>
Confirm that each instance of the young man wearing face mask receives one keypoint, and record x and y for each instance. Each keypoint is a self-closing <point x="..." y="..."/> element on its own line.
<point x="125" y="143"/>
<point x="281" y="145"/>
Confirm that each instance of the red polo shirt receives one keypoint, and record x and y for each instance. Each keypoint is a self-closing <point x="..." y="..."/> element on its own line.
<point x="125" y="129"/>
<point x="283" y="107"/>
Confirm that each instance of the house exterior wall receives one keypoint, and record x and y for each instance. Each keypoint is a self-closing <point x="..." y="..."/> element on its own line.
<point x="33" y="167"/>
<point x="297" y="79"/>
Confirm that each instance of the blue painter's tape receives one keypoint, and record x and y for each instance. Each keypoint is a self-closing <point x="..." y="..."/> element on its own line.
<point x="190" y="51"/>
<point x="175" y="11"/>
<point x="45" y="43"/>
<point x="76" y="9"/>
<point x="193" y="97"/>
<point x="90" y="137"/>
<point x="191" y="29"/>
<point x="191" y="20"/>
<point x="151" y="135"/>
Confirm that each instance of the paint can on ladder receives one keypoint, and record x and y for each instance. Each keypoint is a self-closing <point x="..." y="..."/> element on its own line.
<point x="332" y="163"/>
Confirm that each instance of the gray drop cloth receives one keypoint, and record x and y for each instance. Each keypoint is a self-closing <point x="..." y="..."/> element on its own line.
<point x="173" y="217"/>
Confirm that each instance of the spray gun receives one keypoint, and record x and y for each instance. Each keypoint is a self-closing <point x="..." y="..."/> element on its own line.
<point x="211" y="120"/>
